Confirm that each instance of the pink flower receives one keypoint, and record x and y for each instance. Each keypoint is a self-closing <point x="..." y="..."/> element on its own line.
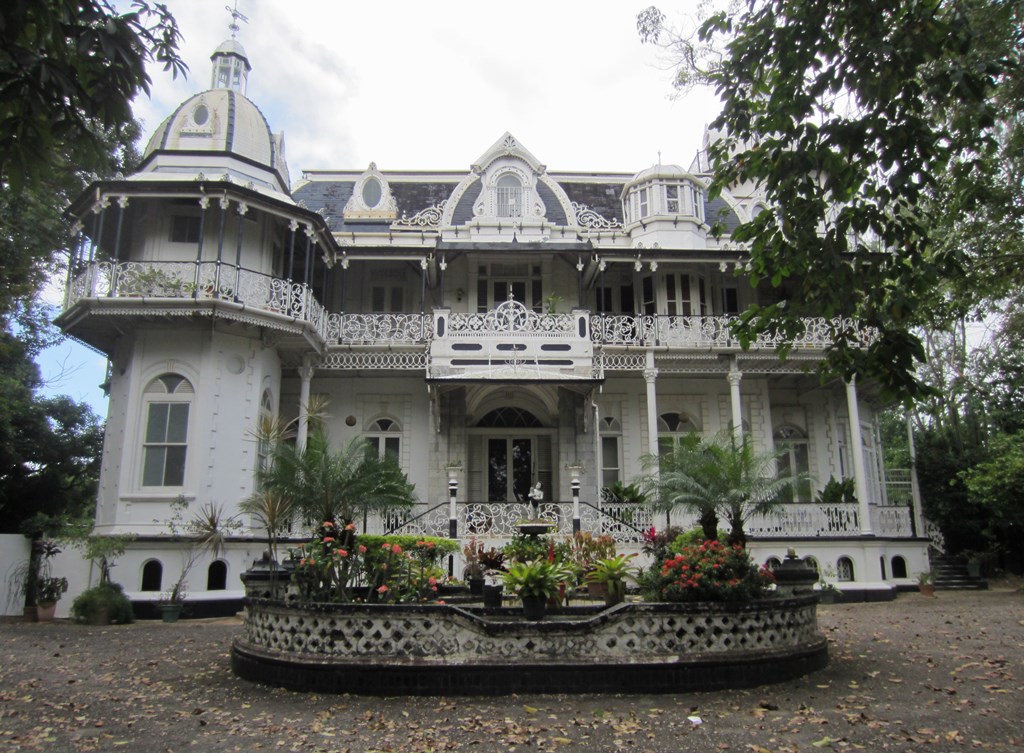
<point x="396" y="549"/>
<point x="432" y="580"/>
<point x="350" y="527"/>
<point x="328" y="539"/>
<point x="382" y="590"/>
<point x="328" y="524"/>
<point x="343" y="553"/>
<point x="362" y="549"/>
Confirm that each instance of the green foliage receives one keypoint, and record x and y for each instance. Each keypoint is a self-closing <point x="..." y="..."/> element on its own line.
<point x="996" y="484"/>
<point x="693" y="537"/>
<point x="391" y="568"/>
<point x="537" y="579"/>
<point x="335" y="486"/>
<point x="711" y="571"/>
<point x="584" y="549"/>
<point x="886" y="140"/>
<point x="837" y="492"/>
<point x="523" y="548"/>
<point x="102" y="604"/>
<point x="624" y="493"/>
<point x="49" y="590"/>
<point x="719" y="478"/>
<point x="68" y="71"/>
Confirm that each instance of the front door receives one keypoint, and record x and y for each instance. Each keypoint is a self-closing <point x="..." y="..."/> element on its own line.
<point x="510" y="468"/>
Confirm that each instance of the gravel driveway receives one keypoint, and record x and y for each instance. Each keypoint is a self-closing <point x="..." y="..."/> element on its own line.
<point x="918" y="674"/>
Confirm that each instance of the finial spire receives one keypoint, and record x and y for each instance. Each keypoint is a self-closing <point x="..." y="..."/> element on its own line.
<point x="235" y="18"/>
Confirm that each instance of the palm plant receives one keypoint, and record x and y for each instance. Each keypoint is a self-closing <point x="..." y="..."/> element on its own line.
<point x="334" y="486"/>
<point x="274" y="511"/>
<point x="720" y="478"/>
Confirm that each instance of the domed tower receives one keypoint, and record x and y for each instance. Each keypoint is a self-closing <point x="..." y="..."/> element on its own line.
<point x="202" y="281"/>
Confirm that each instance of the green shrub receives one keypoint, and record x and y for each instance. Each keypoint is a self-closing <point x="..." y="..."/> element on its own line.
<point x="693" y="537"/>
<point x="101" y="605"/>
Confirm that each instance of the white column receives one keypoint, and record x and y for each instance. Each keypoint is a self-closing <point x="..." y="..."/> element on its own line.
<point x="860" y="476"/>
<point x="651" y="377"/>
<point x="915" y="488"/>
<point x="306" y="377"/>
<point x="734" y="376"/>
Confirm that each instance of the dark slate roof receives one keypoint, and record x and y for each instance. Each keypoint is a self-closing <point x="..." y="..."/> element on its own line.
<point x="463" y="212"/>
<point x="718" y="212"/>
<point x="331" y="196"/>
<point x="603" y="198"/>
<point x="554" y="212"/>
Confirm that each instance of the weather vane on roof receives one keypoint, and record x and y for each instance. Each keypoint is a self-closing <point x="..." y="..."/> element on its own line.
<point x="235" y="18"/>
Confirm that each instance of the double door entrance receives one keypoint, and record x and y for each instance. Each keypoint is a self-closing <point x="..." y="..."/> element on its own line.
<point x="504" y="467"/>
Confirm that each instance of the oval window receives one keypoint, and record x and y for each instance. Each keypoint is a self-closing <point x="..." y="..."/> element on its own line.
<point x="371" y="192"/>
<point x="200" y="115"/>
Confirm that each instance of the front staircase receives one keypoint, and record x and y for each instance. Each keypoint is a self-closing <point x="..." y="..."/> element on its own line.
<point x="950" y="574"/>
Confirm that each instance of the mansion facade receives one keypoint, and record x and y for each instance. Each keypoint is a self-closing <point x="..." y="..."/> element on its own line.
<point x="492" y="327"/>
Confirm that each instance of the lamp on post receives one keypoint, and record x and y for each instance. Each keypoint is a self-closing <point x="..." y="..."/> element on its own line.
<point x="574" y="484"/>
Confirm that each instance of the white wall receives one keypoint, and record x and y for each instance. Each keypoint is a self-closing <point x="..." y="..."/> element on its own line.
<point x="14" y="549"/>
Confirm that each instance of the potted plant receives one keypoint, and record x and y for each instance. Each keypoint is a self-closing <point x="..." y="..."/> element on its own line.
<point x="48" y="593"/>
<point x="534" y="583"/>
<point x="827" y="591"/>
<point x="926" y="583"/>
<point x="613" y="572"/>
<point x="493" y="563"/>
<point x="474" y="570"/>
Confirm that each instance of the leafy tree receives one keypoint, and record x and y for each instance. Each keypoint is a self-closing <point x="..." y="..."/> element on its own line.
<point x="996" y="485"/>
<point x="69" y="70"/>
<point x="49" y="449"/>
<point x="719" y="478"/>
<point x="876" y="132"/>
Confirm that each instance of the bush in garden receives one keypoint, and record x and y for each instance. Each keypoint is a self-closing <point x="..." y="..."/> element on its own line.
<point x="711" y="571"/>
<point x="392" y="568"/>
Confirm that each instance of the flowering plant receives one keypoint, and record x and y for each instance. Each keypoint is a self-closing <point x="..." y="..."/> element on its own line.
<point x="328" y="563"/>
<point x="711" y="571"/>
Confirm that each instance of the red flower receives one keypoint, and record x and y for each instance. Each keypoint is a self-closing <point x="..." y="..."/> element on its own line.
<point x="382" y="589"/>
<point x="328" y="539"/>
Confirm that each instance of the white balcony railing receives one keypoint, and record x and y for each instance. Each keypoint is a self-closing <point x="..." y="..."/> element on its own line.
<point x="220" y="281"/>
<point x="203" y="281"/>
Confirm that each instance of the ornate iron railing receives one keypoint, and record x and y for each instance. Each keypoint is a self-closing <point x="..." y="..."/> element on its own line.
<point x="198" y="281"/>
<point x="512" y="317"/>
<point x="379" y="329"/>
<point x="711" y="332"/>
<point x="812" y="520"/>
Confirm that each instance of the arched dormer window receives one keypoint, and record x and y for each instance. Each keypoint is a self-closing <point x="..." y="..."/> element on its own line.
<point x="509" y="196"/>
<point x="167" y="401"/>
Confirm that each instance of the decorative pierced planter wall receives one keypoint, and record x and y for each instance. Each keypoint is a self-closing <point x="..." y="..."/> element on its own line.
<point x="446" y="650"/>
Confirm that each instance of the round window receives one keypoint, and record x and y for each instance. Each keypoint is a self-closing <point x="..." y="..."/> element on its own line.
<point x="371" y="192"/>
<point x="200" y="115"/>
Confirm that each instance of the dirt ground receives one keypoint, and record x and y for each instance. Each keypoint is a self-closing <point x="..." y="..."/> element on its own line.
<point x="919" y="674"/>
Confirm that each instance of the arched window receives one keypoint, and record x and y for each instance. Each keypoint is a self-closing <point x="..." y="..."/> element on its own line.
<point x="899" y="567"/>
<point x="813" y="563"/>
<point x="672" y="429"/>
<point x="166" y="406"/>
<point x="385" y="438"/>
<point x="509" y="196"/>
<point x="772" y="562"/>
<point x="510" y="417"/>
<point x="844" y="569"/>
<point x="793" y="460"/>
<point x="217" y="576"/>
<point x="152" y="576"/>
<point x="611" y="446"/>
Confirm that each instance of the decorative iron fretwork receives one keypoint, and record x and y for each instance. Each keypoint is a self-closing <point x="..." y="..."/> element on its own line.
<point x="425" y="219"/>
<point x="387" y="360"/>
<point x="382" y="329"/>
<point x="511" y="316"/>
<point x="588" y="218"/>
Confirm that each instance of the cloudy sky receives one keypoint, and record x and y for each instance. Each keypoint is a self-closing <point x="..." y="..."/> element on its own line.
<point x="415" y="85"/>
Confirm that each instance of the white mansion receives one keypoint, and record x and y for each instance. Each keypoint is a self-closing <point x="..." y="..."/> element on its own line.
<point x="492" y="327"/>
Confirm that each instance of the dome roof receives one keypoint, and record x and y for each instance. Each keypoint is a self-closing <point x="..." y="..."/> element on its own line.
<point x="230" y="47"/>
<point x="221" y="121"/>
<point x="668" y="172"/>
